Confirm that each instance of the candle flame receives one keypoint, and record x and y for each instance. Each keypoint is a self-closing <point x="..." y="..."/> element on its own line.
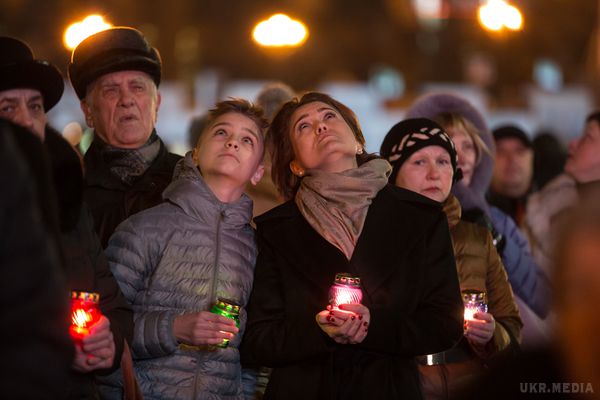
<point x="470" y="313"/>
<point x="81" y="318"/>
<point x="346" y="296"/>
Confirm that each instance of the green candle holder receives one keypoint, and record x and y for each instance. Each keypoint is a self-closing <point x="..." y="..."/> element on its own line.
<point x="228" y="309"/>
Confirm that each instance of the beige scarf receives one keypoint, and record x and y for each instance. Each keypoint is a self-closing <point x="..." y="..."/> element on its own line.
<point x="336" y="204"/>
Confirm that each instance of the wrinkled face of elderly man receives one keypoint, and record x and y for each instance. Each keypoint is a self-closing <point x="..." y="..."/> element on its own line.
<point x="122" y="108"/>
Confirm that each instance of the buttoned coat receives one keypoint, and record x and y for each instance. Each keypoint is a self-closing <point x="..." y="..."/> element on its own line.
<point x="405" y="260"/>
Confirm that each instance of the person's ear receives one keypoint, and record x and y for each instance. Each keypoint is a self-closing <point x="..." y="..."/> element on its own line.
<point x="296" y="169"/>
<point x="157" y="106"/>
<point x="258" y="174"/>
<point x="87" y="112"/>
<point x="195" y="156"/>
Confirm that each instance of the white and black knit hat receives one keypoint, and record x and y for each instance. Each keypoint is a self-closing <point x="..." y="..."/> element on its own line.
<point x="408" y="136"/>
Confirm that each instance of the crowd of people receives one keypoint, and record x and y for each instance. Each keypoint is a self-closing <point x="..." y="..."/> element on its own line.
<point x="274" y="200"/>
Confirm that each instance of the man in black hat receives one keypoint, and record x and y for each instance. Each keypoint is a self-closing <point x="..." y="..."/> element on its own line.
<point x="116" y="74"/>
<point x="28" y="89"/>
<point x="513" y="172"/>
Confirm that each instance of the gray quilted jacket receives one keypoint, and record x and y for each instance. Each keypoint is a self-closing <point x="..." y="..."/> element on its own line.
<point x="175" y="258"/>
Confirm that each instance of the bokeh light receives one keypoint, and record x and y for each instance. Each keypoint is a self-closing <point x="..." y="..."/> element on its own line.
<point x="280" y="31"/>
<point x="78" y="31"/>
<point x="497" y="14"/>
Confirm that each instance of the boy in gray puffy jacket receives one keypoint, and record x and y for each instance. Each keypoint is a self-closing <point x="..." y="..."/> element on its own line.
<point x="175" y="260"/>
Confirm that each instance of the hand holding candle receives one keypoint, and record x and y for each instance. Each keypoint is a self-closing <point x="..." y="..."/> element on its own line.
<point x="348" y="326"/>
<point x="203" y="328"/>
<point x="90" y="330"/>
<point x="97" y="349"/>
<point x="84" y="313"/>
<point x="479" y="324"/>
<point x="345" y="320"/>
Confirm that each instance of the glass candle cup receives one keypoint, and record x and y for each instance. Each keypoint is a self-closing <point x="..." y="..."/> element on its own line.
<point x="229" y="309"/>
<point x="84" y="313"/>
<point x="474" y="301"/>
<point x="345" y="289"/>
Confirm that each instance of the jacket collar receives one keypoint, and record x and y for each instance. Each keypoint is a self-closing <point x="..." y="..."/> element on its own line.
<point x="190" y="192"/>
<point x="375" y="250"/>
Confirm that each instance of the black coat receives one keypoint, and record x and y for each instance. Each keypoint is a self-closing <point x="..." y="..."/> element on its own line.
<point x="111" y="201"/>
<point x="85" y="265"/>
<point x="34" y="340"/>
<point x="405" y="260"/>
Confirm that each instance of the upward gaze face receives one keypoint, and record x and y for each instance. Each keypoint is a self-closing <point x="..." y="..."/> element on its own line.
<point x="232" y="149"/>
<point x="322" y="139"/>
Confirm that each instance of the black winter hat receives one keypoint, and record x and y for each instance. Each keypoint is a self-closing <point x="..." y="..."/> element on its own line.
<point x="19" y="70"/>
<point x="511" y="131"/>
<point x="411" y="135"/>
<point x="116" y="49"/>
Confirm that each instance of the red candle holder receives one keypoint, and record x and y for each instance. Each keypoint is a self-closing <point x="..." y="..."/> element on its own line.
<point x="84" y="313"/>
<point x="345" y="290"/>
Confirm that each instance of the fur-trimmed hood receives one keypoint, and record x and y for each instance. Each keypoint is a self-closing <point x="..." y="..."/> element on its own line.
<point x="430" y="106"/>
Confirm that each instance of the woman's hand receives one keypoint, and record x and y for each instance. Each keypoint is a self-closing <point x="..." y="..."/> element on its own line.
<point x="203" y="328"/>
<point x="349" y="325"/>
<point x="96" y="350"/>
<point x="480" y="330"/>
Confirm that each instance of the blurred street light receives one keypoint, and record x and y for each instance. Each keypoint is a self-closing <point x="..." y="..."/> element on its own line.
<point x="280" y="31"/>
<point x="78" y="31"/>
<point x="497" y="14"/>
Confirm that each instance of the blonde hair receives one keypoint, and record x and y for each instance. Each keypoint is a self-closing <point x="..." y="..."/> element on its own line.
<point x="450" y="121"/>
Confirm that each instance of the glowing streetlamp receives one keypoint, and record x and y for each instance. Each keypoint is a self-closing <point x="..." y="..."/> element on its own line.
<point x="280" y="31"/>
<point x="78" y="31"/>
<point x="497" y="14"/>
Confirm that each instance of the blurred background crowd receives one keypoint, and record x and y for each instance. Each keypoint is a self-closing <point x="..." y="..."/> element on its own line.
<point x="537" y="69"/>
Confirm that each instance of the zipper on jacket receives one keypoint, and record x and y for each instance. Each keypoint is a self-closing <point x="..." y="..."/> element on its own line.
<point x="213" y="287"/>
<point x="216" y="263"/>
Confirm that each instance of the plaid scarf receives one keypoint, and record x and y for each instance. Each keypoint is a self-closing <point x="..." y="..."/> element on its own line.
<point x="129" y="164"/>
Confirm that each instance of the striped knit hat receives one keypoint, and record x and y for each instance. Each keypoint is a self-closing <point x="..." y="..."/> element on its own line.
<point x="411" y="135"/>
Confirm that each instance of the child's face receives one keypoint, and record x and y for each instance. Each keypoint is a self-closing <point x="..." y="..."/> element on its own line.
<point x="231" y="149"/>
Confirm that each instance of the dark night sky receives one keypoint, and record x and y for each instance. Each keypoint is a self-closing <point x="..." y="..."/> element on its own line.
<point x="347" y="37"/>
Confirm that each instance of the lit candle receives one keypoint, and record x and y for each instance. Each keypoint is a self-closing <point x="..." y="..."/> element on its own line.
<point x="345" y="290"/>
<point x="474" y="301"/>
<point x="229" y="309"/>
<point x="84" y="313"/>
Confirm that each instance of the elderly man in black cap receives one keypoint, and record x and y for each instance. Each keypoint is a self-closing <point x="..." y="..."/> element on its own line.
<point x="28" y="89"/>
<point x="513" y="172"/>
<point x="116" y="74"/>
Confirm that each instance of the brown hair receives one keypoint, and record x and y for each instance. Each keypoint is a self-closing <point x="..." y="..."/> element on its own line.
<point x="457" y="121"/>
<point x="281" y="145"/>
<point x="239" y="106"/>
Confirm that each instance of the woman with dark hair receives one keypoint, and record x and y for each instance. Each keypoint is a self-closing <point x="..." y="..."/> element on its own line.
<point x="342" y="216"/>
